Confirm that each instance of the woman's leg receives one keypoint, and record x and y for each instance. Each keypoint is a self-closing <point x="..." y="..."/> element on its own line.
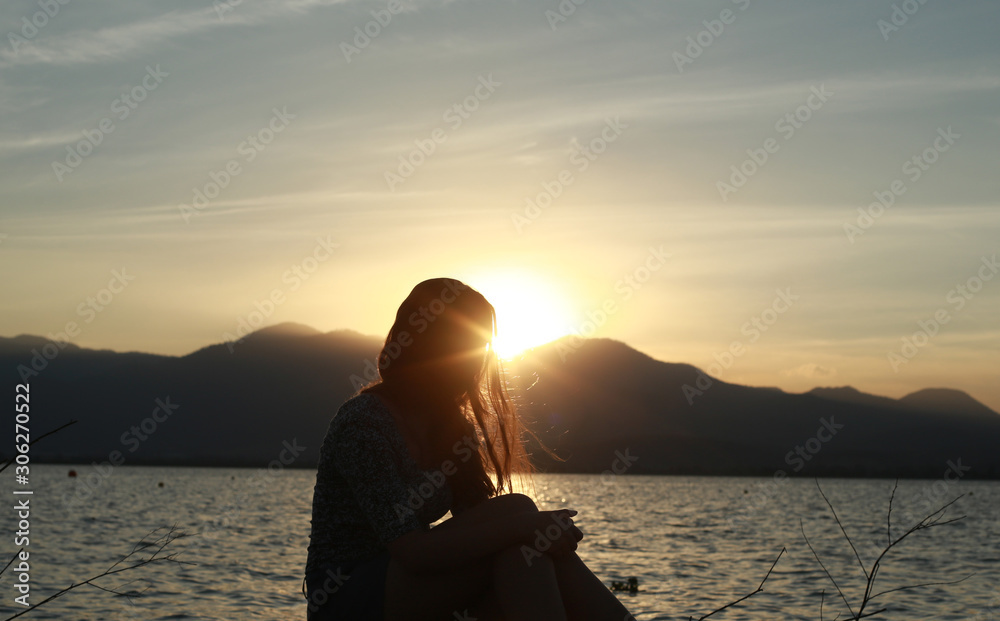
<point x="583" y="593"/>
<point x="526" y="591"/>
<point x="448" y="595"/>
<point x="504" y="584"/>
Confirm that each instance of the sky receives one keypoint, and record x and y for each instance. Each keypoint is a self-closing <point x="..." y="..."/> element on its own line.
<point x="785" y="194"/>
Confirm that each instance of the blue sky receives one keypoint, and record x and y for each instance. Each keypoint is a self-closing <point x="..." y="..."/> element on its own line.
<point x="496" y="104"/>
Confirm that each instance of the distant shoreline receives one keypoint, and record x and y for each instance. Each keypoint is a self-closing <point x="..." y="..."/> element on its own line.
<point x="81" y="465"/>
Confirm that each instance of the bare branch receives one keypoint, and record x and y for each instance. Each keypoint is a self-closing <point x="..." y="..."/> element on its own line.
<point x="870" y="614"/>
<point x="748" y="595"/>
<point x="917" y="586"/>
<point x="160" y="543"/>
<point x="888" y="516"/>
<point x="936" y="518"/>
<point x="828" y="574"/>
<point x="846" y="536"/>
<point x="12" y="559"/>
<point x="48" y="433"/>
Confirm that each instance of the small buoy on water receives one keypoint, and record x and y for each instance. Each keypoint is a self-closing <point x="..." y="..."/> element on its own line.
<point x="72" y="473"/>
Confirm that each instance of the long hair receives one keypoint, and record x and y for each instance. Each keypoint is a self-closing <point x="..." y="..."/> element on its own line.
<point x="438" y="360"/>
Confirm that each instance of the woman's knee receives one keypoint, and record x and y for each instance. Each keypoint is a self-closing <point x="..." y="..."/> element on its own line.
<point x="513" y="503"/>
<point x="502" y="506"/>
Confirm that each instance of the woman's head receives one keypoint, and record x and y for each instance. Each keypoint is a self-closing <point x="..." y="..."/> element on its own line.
<point x="442" y="332"/>
<point x="438" y="362"/>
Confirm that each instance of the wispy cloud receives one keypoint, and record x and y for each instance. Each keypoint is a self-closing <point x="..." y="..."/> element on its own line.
<point x="232" y="61"/>
<point x="37" y="141"/>
<point x="112" y="43"/>
<point x="810" y="370"/>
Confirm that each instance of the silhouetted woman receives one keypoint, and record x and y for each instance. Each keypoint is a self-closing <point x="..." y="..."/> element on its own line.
<point x="423" y="440"/>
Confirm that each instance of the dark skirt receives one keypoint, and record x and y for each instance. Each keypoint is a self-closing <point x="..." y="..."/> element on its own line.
<point x="348" y="591"/>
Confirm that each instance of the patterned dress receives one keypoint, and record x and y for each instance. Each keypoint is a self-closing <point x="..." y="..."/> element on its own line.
<point x="369" y="490"/>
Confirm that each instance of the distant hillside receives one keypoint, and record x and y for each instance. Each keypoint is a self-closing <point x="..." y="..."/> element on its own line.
<point x="594" y="404"/>
<point x="849" y="394"/>
<point x="948" y="400"/>
<point x="232" y="407"/>
<point x="606" y="397"/>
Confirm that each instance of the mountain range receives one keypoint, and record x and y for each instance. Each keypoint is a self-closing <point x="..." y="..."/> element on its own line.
<point x="599" y="405"/>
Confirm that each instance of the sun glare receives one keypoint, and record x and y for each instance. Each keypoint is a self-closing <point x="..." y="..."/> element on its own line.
<point x="530" y="312"/>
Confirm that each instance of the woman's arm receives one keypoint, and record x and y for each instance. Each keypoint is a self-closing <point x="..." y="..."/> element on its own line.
<point x="488" y="528"/>
<point x="361" y="451"/>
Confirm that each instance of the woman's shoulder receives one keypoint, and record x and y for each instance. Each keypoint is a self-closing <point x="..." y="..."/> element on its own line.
<point x="364" y="409"/>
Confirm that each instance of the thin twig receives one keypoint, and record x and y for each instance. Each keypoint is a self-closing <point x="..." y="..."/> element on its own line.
<point x="870" y="614"/>
<point x="915" y="586"/>
<point x="846" y="536"/>
<point x="825" y="570"/>
<point x="748" y="595"/>
<point x="11" y="561"/>
<point x="888" y="516"/>
<point x="12" y="460"/>
<point x="161" y="542"/>
<point x="48" y="433"/>
<point x="936" y="518"/>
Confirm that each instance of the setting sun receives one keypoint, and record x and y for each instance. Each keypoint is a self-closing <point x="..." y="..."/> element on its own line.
<point x="530" y="311"/>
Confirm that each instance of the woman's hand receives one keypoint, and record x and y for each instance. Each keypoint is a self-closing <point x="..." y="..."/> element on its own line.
<point x="555" y="533"/>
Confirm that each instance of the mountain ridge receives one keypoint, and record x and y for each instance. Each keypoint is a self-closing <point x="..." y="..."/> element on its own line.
<point x="587" y="399"/>
<point x="923" y="398"/>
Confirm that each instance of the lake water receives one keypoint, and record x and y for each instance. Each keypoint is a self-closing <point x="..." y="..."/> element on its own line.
<point x="694" y="543"/>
